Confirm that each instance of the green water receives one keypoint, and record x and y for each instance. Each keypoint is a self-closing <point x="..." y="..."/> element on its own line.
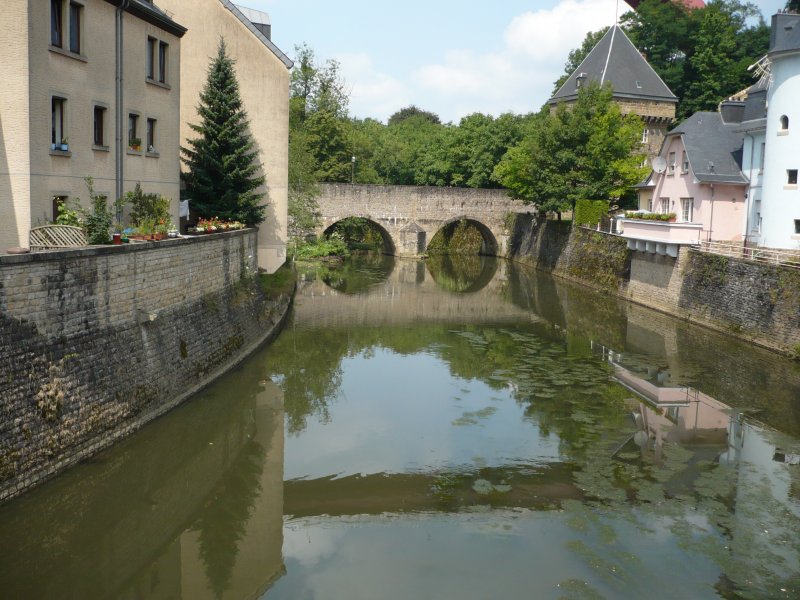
<point x="463" y="428"/>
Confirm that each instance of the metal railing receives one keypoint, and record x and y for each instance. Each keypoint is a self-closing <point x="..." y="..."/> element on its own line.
<point x="789" y="258"/>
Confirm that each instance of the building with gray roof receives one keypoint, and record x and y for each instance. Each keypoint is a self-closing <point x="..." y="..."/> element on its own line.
<point x="636" y="87"/>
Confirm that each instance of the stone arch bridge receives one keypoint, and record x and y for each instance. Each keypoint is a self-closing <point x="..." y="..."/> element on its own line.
<point x="408" y="217"/>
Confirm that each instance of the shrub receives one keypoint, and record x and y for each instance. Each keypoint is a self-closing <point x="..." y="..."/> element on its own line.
<point x="148" y="208"/>
<point x="589" y="212"/>
<point x="650" y="216"/>
<point x="99" y="219"/>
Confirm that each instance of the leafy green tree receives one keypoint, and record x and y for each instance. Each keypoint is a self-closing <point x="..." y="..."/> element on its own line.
<point x="793" y="5"/>
<point x="303" y="210"/>
<point x="586" y="151"/>
<point x="717" y="67"/>
<point x="224" y="174"/>
<point x="701" y="54"/>
<point x="413" y="111"/>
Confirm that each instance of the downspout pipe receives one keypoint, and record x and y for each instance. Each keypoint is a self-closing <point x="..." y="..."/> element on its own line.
<point x="749" y="194"/>
<point x="711" y="224"/>
<point x="119" y="149"/>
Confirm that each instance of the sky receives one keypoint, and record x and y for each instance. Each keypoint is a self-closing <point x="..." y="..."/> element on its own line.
<point x="451" y="57"/>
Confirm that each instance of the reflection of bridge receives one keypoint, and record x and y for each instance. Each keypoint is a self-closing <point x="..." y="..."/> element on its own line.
<point x="318" y="305"/>
<point x="409" y="216"/>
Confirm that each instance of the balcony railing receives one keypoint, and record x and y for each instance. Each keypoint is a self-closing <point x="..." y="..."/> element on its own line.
<point x="789" y="258"/>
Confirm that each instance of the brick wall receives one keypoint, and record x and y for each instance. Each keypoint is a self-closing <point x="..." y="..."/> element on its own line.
<point x="96" y="342"/>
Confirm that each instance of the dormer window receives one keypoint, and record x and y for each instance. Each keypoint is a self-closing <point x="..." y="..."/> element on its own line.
<point x="580" y="80"/>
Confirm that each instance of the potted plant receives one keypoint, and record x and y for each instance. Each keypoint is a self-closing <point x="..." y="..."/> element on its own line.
<point x="135" y="144"/>
<point x="64" y="145"/>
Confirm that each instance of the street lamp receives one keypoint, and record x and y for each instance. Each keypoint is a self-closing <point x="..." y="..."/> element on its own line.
<point x="352" y="169"/>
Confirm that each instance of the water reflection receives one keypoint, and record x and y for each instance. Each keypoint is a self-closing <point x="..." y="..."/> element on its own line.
<point x="359" y="274"/>
<point x="461" y="273"/>
<point x="436" y="444"/>
<point x="481" y="416"/>
<point x="190" y="507"/>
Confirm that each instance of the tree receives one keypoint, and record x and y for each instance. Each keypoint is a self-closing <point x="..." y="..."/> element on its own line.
<point x="413" y="111"/>
<point x="793" y="5"/>
<point x="303" y="210"/>
<point x="224" y="174"/>
<point x="723" y="48"/>
<point x="586" y="151"/>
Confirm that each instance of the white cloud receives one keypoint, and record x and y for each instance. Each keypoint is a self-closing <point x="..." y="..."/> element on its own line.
<point x="521" y="75"/>
<point x="372" y="92"/>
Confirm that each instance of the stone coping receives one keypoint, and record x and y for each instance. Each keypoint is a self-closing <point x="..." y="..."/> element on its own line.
<point x="110" y="249"/>
<point x="660" y="223"/>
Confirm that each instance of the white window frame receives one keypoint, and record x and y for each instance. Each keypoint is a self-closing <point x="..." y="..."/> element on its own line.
<point x="687" y="210"/>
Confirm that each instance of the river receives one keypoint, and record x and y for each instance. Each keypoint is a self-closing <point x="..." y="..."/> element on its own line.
<point x="463" y="428"/>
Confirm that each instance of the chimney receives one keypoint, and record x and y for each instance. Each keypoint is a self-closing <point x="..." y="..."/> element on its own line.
<point x="259" y="19"/>
<point x="731" y="111"/>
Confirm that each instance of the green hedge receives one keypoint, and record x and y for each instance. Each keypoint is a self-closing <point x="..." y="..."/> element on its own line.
<point x="589" y="212"/>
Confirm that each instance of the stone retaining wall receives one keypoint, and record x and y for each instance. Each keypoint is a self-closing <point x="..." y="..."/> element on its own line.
<point x="753" y="301"/>
<point x="96" y="342"/>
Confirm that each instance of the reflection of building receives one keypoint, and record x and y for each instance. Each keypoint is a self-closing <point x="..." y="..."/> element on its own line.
<point x="678" y="415"/>
<point x="194" y="515"/>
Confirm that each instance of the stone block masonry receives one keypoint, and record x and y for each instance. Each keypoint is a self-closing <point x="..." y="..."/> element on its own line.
<point x="94" y="343"/>
<point x="753" y="301"/>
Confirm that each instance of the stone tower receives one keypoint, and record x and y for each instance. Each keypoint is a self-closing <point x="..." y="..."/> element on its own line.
<point x="637" y="88"/>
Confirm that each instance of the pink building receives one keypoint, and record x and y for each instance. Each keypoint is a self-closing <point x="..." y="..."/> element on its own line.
<point x="699" y="182"/>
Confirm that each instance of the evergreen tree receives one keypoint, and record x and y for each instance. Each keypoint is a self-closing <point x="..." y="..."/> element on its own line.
<point x="224" y="172"/>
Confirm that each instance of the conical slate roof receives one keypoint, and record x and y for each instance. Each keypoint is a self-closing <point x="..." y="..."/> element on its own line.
<point x="616" y="60"/>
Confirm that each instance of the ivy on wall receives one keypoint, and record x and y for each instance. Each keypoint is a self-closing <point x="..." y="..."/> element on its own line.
<point x="589" y="212"/>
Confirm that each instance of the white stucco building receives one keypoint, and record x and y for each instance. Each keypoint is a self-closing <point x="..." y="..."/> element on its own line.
<point x="776" y="217"/>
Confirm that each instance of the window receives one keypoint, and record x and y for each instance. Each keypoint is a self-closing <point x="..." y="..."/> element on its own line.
<point x="151" y="57"/>
<point x="763" y="154"/>
<point x="791" y="177"/>
<point x="134" y="142"/>
<point x="687" y="209"/>
<point x="671" y="163"/>
<point x="56" y="23"/>
<point x="784" y="123"/>
<point x="162" y="62"/>
<point x="685" y="163"/>
<point x="75" y="27"/>
<point x="650" y="205"/>
<point x="58" y="130"/>
<point x="797" y="225"/>
<point x="151" y="135"/>
<point x="645" y="135"/>
<point x="664" y="206"/>
<point x="99" y="125"/>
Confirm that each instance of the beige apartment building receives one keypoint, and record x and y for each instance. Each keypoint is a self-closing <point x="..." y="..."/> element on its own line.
<point x="263" y="74"/>
<point x="89" y="88"/>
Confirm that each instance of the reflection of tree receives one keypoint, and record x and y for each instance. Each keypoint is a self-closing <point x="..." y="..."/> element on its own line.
<point x="307" y="366"/>
<point x="357" y="275"/>
<point x="461" y="272"/>
<point x="222" y="521"/>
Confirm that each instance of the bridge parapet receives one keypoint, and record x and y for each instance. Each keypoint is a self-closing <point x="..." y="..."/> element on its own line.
<point x="412" y="215"/>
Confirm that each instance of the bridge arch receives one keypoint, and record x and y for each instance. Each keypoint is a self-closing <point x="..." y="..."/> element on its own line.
<point x="490" y="245"/>
<point x="389" y="246"/>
